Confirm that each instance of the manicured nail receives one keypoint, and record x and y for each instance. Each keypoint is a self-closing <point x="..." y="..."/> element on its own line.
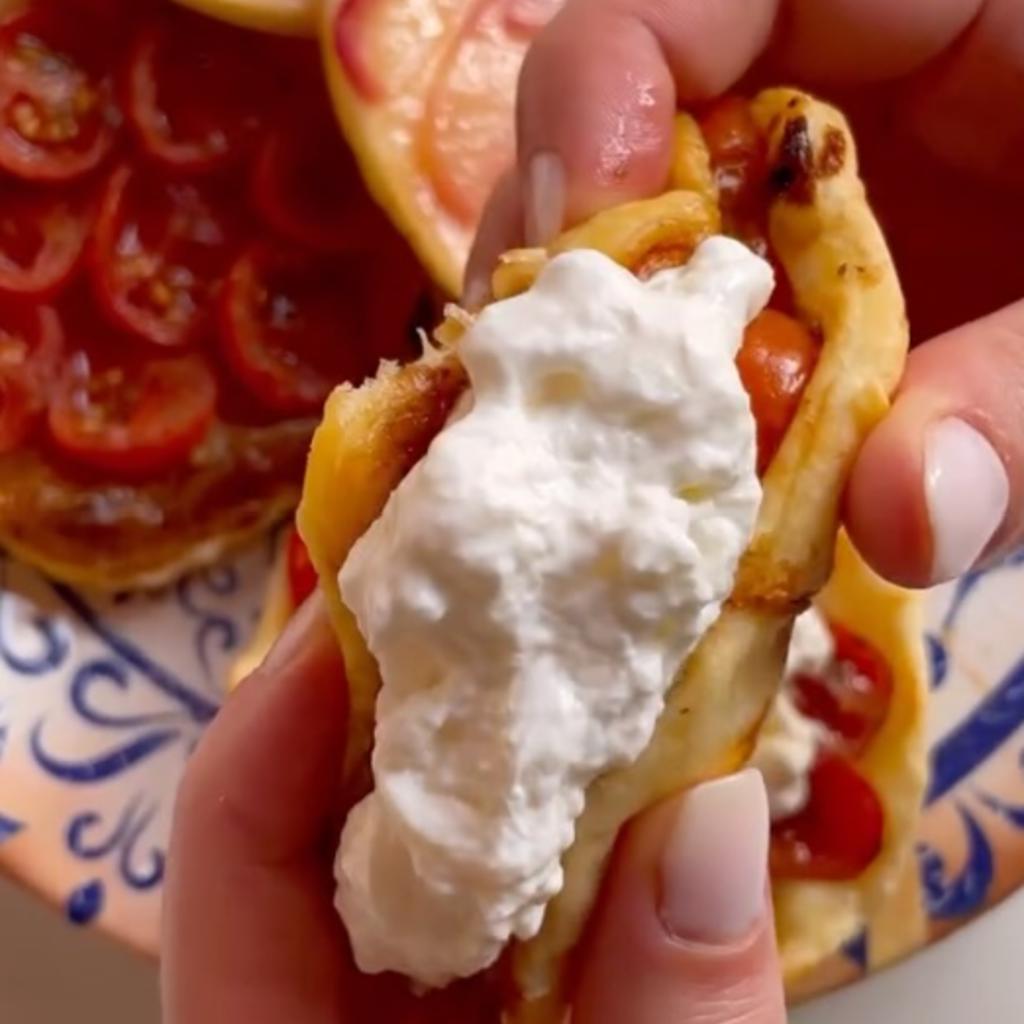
<point x="967" y="493"/>
<point x="475" y="292"/>
<point x="544" y="198"/>
<point x="715" y="863"/>
<point x="307" y="628"/>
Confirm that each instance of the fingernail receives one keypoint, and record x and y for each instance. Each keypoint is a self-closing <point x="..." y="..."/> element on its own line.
<point x="475" y="292"/>
<point x="544" y="198"/>
<point x="715" y="863"/>
<point x="967" y="493"/>
<point x="306" y="629"/>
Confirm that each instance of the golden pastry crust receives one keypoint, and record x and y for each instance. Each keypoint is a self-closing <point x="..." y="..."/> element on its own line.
<point x="813" y="919"/>
<point x="109" y="535"/>
<point x="823" y="232"/>
<point x="283" y="17"/>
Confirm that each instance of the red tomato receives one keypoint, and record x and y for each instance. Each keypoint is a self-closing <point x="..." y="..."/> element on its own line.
<point x="135" y="420"/>
<point x="58" y="119"/>
<point x="293" y="326"/>
<point x="160" y="249"/>
<point x="852" y="703"/>
<point x="738" y="151"/>
<point x="42" y="236"/>
<point x="302" y="579"/>
<point x="306" y="186"/>
<point x="775" y="363"/>
<point x="195" y="91"/>
<point x="31" y="341"/>
<point x="837" y="835"/>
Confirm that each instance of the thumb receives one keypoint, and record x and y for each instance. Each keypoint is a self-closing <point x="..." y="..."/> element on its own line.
<point x="685" y="933"/>
<point x="938" y="488"/>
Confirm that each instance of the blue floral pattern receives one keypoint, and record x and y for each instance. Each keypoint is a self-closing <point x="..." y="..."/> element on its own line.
<point x="104" y="700"/>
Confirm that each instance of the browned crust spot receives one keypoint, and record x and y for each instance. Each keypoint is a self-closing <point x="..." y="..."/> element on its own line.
<point x="833" y="153"/>
<point x="793" y="173"/>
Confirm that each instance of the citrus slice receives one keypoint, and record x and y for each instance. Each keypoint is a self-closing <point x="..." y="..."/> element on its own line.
<point x="425" y="90"/>
<point x="285" y="17"/>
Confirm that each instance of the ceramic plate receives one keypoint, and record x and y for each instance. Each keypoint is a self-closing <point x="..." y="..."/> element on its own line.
<point x="102" y="700"/>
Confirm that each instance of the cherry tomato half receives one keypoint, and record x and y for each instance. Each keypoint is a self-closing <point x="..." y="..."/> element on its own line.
<point x="292" y="326"/>
<point x="161" y="247"/>
<point x="195" y="91"/>
<point x="31" y="341"/>
<point x="853" y="702"/>
<point x="837" y="835"/>
<point x="42" y="237"/>
<point x="58" y="119"/>
<point x="776" y="361"/>
<point x="134" y="420"/>
<point x="738" y="152"/>
<point x="302" y="579"/>
<point x="305" y="184"/>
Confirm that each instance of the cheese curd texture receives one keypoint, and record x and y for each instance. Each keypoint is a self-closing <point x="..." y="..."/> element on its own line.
<point x="532" y="588"/>
<point x="787" y="745"/>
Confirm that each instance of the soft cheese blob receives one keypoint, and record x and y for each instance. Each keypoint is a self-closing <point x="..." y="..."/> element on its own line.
<point x="788" y="743"/>
<point x="532" y="587"/>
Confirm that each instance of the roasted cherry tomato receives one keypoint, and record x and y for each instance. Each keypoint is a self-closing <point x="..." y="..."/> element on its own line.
<point x="853" y="701"/>
<point x="776" y="361"/>
<point x="306" y="186"/>
<point x="301" y="574"/>
<point x="161" y="247"/>
<point x="737" y="150"/>
<point x="292" y="326"/>
<point x="58" y="119"/>
<point x="136" y="420"/>
<point x="31" y="341"/>
<point x="195" y="91"/>
<point x="837" y="835"/>
<point x="42" y="236"/>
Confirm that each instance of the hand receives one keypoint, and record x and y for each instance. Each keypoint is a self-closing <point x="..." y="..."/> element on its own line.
<point x="683" y="934"/>
<point x="934" y="88"/>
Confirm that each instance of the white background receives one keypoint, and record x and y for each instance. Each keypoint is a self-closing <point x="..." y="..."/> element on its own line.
<point x="52" y="974"/>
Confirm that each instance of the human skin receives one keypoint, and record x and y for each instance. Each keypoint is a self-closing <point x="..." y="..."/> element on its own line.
<point x="683" y="932"/>
<point x="933" y="88"/>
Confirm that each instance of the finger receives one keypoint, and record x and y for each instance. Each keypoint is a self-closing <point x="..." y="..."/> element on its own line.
<point x="939" y="486"/>
<point x="858" y="41"/>
<point x="599" y="88"/>
<point x="685" y="930"/>
<point x="249" y="929"/>
<point x="967" y="106"/>
<point x="601" y="83"/>
<point x="501" y="228"/>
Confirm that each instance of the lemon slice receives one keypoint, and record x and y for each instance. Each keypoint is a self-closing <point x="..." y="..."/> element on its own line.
<point x="425" y="90"/>
<point x="285" y="17"/>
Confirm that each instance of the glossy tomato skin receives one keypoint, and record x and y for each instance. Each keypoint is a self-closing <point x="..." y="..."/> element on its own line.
<point x="292" y="327"/>
<point x="302" y="579"/>
<point x="838" y="833"/>
<point x="160" y="248"/>
<point x="58" y="116"/>
<point x="739" y="155"/>
<point x="199" y="114"/>
<point x="775" y="361"/>
<point x="42" y="239"/>
<point x="31" y="343"/>
<point x="852" y="702"/>
<point x="133" y="421"/>
<point x="305" y="183"/>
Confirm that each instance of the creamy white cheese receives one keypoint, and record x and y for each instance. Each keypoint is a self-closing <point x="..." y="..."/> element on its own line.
<point x="532" y="587"/>
<point x="788" y="743"/>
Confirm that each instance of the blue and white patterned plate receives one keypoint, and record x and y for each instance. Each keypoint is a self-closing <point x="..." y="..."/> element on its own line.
<point x="101" y="702"/>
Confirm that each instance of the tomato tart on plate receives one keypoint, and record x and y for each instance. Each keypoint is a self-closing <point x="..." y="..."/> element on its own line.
<point x="188" y="264"/>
